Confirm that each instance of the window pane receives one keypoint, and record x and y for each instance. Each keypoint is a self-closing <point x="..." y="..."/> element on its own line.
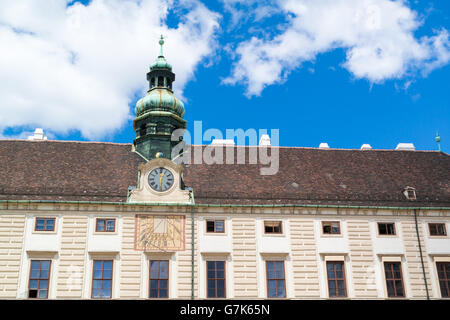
<point x="163" y="293"/>
<point x="34" y="274"/>
<point x="391" y="229"/>
<point x="50" y="224"/>
<point x="220" y="284"/>
<point x="35" y="264"/>
<point x="382" y="228"/>
<point x="39" y="224"/>
<point x="163" y="284"/>
<point x="110" y="225"/>
<point x="441" y="229"/>
<point x="390" y="288"/>
<point x="280" y="289"/>
<point x="153" y="284"/>
<point x="45" y="264"/>
<point x="444" y="291"/>
<point x="341" y="288"/>
<point x="154" y="269"/>
<point x="271" y="270"/>
<point x="219" y="226"/>
<point x="106" y="293"/>
<point x="44" y="274"/>
<point x="211" y="292"/>
<point x="399" y="287"/>
<point x="326" y="228"/>
<point x="332" y="288"/>
<point x="279" y="270"/>
<point x="153" y="293"/>
<point x="96" y="293"/>
<point x="220" y="265"/>
<point x="211" y="266"/>
<point x="210" y="226"/>
<point x="33" y="284"/>
<point x="42" y="294"/>
<point x="211" y="274"/>
<point x="100" y="225"/>
<point x="97" y="274"/>
<point x="32" y="293"/>
<point x="388" y="271"/>
<point x="164" y="270"/>
<point x="97" y="284"/>
<point x="220" y="274"/>
<point x="277" y="229"/>
<point x="211" y="284"/>
<point x="220" y="292"/>
<point x="106" y="284"/>
<point x="98" y="265"/>
<point x="272" y="292"/>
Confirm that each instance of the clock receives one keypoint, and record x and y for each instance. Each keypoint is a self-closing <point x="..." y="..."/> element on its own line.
<point x="160" y="179"/>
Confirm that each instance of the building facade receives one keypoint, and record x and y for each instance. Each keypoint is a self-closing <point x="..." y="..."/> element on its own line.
<point x="88" y="220"/>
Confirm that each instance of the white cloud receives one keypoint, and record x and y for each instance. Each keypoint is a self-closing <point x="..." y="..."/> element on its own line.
<point x="74" y="67"/>
<point x="378" y="36"/>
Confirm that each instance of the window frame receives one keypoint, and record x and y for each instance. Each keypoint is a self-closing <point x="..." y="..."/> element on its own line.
<point x="273" y="221"/>
<point x="387" y="234"/>
<point x="158" y="279"/>
<point x="106" y="223"/>
<point x="276" y="279"/>
<point x="394" y="279"/>
<point x="215" y="279"/>
<point x="45" y="224"/>
<point x="436" y="224"/>
<point x="215" y="228"/>
<point x="336" y="279"/>
<point x="447" y="279"/>
<point x="102" y="279"/>
<point x="331" y="233"/>
<point x="39" y="279"/>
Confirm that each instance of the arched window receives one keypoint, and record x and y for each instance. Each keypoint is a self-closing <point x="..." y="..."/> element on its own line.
<point x="160" y="81"/>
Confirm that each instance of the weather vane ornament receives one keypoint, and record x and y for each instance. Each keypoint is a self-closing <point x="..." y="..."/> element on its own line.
<point x="161" y="43"/>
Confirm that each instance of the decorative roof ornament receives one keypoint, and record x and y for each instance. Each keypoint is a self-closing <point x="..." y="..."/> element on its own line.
<point x="161" y="62"/>
<point x="161" y="43"/>
<point x="438" y="140"/>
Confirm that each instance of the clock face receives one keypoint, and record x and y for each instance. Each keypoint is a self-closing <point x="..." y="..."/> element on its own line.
<point x="160" y="179"/>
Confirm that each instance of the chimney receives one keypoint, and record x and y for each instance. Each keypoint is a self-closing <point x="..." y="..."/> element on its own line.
<point x="38" y="135"/>
<point x="405" y="147"/>
<point x="264" y="140"/>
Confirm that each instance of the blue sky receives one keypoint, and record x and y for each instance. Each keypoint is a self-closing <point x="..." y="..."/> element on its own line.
<point x="312" y="93"/>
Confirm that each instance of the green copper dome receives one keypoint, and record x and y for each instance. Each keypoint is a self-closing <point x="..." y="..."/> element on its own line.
<point x="160" y="63"/>
<point x="159" y="99"/>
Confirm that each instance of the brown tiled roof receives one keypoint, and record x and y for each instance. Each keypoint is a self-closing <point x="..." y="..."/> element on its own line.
<point x="86" y="171"/>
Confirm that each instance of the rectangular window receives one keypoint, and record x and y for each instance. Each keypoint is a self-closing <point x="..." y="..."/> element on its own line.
<point x="39" y="279"/>
<point x="336" y="279"/>
<point x="102" y="279"/>
<point x="215" y="226"/>
<point x="276" y="286"/>
<point x="331" y="227"/>
<point x="105" y="225"/>
<point x="44" y="224"/>
<point x="159" y="279"/>
<point x="272" y="227"/>
<point x="386" y="228"/>
<point x="443" y="269"/>
<point x="394" y="280"/>
<point x="216" y="279"/>
<point x="437" y="229"/>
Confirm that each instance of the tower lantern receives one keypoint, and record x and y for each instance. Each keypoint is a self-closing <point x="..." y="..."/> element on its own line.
<point x="159" y="113"/>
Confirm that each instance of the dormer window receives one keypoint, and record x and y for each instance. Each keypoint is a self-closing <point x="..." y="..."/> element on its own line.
<point x="410" y="193"/>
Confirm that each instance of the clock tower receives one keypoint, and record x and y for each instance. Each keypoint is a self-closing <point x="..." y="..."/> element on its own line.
<point x="159" y="113"/>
